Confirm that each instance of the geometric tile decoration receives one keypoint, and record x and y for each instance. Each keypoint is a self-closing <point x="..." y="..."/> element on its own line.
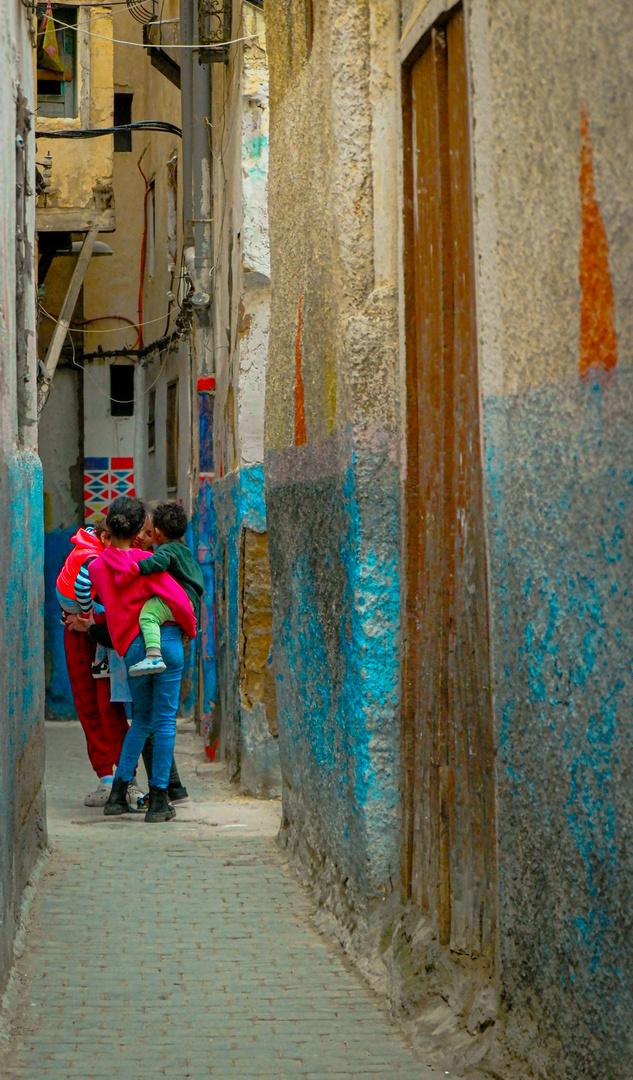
<point x="104" y="479"/>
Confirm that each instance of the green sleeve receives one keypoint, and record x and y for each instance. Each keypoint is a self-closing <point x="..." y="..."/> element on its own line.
<point x="160" y="561"/>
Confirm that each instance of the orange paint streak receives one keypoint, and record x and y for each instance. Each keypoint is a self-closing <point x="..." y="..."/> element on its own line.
<point x="598" y="342"/>
<point x="300" y="415"/>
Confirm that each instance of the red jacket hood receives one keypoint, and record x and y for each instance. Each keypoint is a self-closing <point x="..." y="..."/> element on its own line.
<point x="87" y="540"/>
<point x="85" y="545"/>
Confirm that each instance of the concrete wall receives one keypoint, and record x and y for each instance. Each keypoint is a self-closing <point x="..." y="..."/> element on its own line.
<point x="332" y="438"/>
<point x="549" y="95"/>
<point x="22" y="806"/>
<point x="240" y="337"/>
<point x="551" y="106"/>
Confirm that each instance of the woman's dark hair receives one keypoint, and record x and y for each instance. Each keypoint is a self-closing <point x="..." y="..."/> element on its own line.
<point x="125" y="517"/>
<point x="171" y="519"/>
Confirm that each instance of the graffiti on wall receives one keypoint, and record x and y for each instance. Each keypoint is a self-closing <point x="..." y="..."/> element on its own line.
<point x="598" y="342"/>
<point x="104" y="479"/>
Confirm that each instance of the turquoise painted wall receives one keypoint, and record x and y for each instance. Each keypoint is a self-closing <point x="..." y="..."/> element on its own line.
<point x="22" y="803"/>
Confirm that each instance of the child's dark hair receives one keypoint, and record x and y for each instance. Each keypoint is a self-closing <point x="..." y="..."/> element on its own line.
<point x="171" y="519"/>
<point x="125" y="517"/>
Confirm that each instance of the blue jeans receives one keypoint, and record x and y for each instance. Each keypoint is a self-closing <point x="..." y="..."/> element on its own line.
<point x="156" y="699"/>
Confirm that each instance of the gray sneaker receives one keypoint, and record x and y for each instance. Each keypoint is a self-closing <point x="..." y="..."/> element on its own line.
<point x="134" y="793"/>
<point x="98" y="797"/>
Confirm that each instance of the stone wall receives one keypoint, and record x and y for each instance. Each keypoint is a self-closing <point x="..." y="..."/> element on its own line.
<point x="332" y="447"/>
<point x="241" y="328"/>
<point x="551" y="105"/>
<point x="22" y="804"/>
<point x="549" y="98"/>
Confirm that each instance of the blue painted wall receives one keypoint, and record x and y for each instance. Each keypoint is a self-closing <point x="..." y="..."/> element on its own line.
<point x="22" y="804"/>
<point x="333" y="541"/>
<point x="59" y="699"/>
<point x="560" y="498"/>
<point x="202" y="541"/>
<point x="239" y="503"/>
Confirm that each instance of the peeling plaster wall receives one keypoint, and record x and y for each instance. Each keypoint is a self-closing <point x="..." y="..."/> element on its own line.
<point x="552" y="223"/>
<point x="76" y="171"/>
<point x="241" y="328"/>
<point x="332" y="463"/>
<point x="555" y="258"/>
<point x="22" y="803"/>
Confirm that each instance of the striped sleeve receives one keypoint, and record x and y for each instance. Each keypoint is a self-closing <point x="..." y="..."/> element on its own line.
<point x="83" y="587"/>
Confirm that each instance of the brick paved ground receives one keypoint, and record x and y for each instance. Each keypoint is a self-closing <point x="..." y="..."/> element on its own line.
<point x="185" y="950"/>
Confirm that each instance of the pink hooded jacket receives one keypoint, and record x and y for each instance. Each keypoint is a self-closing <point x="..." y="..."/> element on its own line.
<point x="123" y="594"/>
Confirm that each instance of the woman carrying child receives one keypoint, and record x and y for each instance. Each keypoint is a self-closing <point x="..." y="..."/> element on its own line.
<point x="155" y="697"/>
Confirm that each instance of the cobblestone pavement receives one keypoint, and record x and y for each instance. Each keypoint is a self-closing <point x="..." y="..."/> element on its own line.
<point x="183" y="950"/>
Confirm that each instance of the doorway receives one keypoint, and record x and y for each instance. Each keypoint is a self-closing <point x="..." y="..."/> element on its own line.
<point x="449" y="864"/>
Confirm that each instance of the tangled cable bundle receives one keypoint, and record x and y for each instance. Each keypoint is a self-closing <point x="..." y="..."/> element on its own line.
<point x="144" y="11"/>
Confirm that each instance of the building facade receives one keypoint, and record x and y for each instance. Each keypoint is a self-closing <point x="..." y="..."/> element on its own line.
<point x="22" y="801"/>
<point x="448" y="493"/>
<point x="121" y="415"/>
<point x="240" y="320"/>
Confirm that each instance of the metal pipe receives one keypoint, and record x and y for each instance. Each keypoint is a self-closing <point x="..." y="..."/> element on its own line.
<point x="186" y="94"/>
<point x="202" y="169"/>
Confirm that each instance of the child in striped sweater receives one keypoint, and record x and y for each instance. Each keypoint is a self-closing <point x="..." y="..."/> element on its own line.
<point x="75" y="590"/>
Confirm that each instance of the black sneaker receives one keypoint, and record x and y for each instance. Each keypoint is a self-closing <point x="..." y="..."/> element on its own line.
<point x="177" y="793"/>
<point x="160" y="808"/>
<point x="101" y="670"/>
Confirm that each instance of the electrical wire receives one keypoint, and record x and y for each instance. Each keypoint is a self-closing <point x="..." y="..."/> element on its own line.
<point x="148" y="188"/>
<point x="104" y="393"/>
<point x="112" y="330"/>
<point x="142" y="45"/>
<point x="94" y="133"/>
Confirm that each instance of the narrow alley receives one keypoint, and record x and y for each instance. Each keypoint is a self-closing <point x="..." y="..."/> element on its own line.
<point x="316" y="461"/>
<point x="186" y="953"/>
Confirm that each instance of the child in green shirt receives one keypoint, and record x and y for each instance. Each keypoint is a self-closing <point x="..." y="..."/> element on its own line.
<point x="169" y="523"/>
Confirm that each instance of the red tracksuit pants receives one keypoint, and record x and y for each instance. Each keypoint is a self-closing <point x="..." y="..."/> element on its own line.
<point x="104" y="722"/>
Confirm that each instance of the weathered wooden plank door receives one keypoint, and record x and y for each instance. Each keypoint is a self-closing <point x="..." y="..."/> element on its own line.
<point x="449" y="834"/>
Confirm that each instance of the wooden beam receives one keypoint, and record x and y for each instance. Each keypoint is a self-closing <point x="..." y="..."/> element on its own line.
<point x="59" y="219"/>
<point x="66" y="314"/>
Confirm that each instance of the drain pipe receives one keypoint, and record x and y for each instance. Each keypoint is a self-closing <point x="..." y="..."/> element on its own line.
<point x="196" y="106"/>
<point x="186" y="98"/>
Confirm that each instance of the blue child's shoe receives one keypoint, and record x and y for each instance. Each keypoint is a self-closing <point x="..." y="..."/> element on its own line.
<point x="151" y="665"/>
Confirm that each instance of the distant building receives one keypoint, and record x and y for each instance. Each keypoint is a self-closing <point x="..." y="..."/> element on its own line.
<point x="22" y="804"/>
<point x="121" y="416"/>
<point x="449" y="500"/>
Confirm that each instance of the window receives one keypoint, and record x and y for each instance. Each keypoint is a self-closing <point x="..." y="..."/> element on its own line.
<point x="57" y="61"/>
<point x="171" y="436"/>
<point x="122" y="115"/>
<point x="151" y="422"/>
<point x="121" y="390"/>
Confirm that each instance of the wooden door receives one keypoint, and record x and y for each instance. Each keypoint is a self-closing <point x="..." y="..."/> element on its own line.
<point x="449" y="836"/>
